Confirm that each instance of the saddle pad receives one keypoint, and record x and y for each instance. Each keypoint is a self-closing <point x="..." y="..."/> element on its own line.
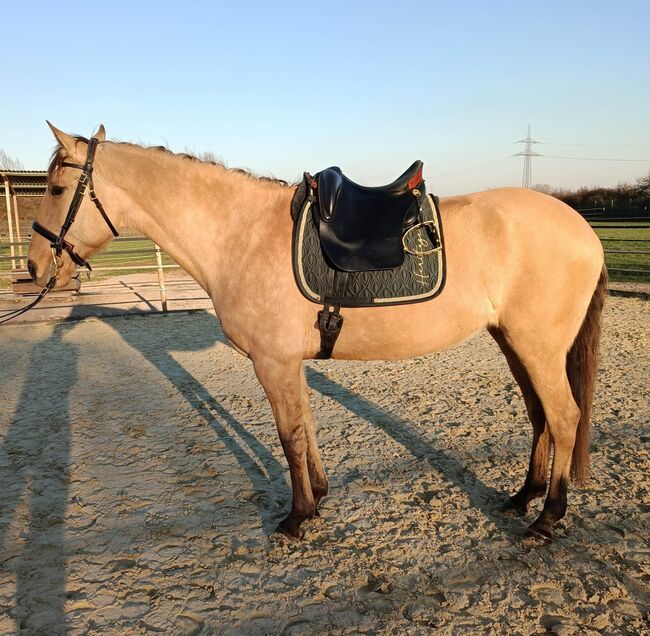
<point x="421" y="276"/>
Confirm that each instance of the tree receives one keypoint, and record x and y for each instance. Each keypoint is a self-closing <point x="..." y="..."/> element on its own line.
<point x="642" y="186"/>
<point x="8" y="163"/>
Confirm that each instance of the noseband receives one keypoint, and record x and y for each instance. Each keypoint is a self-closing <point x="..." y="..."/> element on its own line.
<point x="57" y="241"/>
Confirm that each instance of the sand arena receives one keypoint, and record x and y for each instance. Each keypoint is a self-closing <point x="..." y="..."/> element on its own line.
<point x="141" y="475"/>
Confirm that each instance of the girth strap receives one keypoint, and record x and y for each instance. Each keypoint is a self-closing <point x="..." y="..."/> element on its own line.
<point x="330" y="320"/>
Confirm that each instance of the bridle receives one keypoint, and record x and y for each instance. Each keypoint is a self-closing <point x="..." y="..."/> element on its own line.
<point x="58" y="244"/>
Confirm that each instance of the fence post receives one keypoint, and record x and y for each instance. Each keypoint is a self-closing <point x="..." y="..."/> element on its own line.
<point x="10" y="223"/>
<point x="19" y="238"/>
<point x="161" y="278"/>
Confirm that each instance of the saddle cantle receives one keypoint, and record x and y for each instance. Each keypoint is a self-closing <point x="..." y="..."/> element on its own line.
<point x="361" y="227"/>
<point x="358" y="246"/>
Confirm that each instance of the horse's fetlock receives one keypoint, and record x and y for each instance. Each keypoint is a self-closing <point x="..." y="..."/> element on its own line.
<point x="302" y="512"/>
<point x="320" y="490"/>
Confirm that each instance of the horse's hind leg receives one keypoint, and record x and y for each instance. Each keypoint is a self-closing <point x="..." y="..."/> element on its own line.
<point x="535" y="484"/>
<point x="317" y="476"/>
<point x="562" y="417"/>
<point x="283" y="385"/>
<point x="547" y="376"/>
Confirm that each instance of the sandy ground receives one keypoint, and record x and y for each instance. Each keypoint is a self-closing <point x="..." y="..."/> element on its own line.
<point x="141" y="476"/>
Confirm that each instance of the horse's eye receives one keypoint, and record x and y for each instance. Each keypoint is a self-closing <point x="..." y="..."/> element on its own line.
<point x="56" y="190"/>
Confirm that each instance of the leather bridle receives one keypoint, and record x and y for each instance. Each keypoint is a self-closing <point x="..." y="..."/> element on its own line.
<point x="58" y="244"/>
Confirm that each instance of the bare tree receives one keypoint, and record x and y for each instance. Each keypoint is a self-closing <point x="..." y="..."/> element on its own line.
<point x="642" y="186"/>
<point x="9" y="163"/>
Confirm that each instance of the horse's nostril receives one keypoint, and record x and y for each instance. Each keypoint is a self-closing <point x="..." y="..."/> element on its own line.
<point x="32" y="269"/>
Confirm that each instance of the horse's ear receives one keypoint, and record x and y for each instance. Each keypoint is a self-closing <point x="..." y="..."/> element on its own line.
<point x="100" y="135"/>
<point x="66" y="142"/>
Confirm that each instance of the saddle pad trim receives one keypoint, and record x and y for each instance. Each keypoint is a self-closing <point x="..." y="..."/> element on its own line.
<point x="313" y="296"/>
<point x="301" y="280"/>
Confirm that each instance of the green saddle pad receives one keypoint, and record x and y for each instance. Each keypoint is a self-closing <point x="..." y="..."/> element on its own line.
<point x="421" y="276"/>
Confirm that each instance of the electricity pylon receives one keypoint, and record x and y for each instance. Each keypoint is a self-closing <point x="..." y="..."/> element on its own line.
<point x="527" y="153"/>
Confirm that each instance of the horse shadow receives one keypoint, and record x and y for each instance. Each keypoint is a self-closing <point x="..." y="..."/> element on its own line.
<point x="34" y="473"/>
<point x="203" y="331"/>
<point x="455" y="472"/>
<point x="264" y="472"/>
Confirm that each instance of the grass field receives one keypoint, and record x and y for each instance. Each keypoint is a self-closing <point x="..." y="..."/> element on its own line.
<point x="627" y="237"/>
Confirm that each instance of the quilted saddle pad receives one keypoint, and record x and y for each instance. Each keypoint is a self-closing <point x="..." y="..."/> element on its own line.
<point x="421" y="276"/>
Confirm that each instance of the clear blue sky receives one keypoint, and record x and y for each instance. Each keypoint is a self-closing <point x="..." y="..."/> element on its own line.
<point x="282" y="87"/>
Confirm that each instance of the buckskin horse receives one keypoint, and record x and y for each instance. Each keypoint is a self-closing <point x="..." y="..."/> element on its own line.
<point x="519" y="263"/>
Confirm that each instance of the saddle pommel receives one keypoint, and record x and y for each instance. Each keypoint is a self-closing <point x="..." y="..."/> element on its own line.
<point x="330" y="182"/>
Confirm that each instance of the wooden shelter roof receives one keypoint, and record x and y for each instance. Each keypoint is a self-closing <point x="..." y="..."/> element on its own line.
<point x="24" y="183"/>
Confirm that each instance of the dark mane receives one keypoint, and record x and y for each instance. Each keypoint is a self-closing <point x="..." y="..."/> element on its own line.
<point x="59" y="156"/>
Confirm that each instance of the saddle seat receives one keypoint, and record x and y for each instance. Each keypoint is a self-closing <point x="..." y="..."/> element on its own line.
<point x="361" y="227"/>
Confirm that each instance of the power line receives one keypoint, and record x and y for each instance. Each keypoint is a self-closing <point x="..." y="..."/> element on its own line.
<point x="528" y="153"/>
<point x="590" y="158"/>
<point x="553" y="143"/>
<point x="479" y="155"/>
<point x="478" y="165"/>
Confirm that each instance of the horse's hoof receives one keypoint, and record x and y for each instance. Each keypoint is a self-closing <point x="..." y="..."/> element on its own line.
<point x="290" y="528"/>
<point x="537" y="532"/>
<point x="510" y="507"/>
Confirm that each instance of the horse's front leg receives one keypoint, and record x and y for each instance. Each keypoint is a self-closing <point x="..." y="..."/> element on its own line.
<point x="282" y="381"/>
<point x="317" y="476"/>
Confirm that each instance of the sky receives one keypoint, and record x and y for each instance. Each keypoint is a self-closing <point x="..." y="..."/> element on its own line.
<point x="284" y="87"/>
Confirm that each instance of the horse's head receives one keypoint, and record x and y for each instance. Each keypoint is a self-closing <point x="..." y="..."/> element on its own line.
<point x="69" y="228"/>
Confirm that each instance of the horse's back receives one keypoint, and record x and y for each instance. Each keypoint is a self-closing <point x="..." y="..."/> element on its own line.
<point x="512" y="256"/>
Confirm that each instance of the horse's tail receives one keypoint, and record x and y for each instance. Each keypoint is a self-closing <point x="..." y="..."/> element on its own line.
<point x="581" y="364"/>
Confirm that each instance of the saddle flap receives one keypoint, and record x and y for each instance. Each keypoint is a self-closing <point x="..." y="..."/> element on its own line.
<point x="330" y="182"/>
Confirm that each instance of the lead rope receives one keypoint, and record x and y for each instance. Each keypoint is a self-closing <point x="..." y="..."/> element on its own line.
<point x="17" y="312"/>
<point x="49" y="286"/>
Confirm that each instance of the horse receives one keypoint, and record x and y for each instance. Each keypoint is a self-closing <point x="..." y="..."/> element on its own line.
<point x="521" y="264"/>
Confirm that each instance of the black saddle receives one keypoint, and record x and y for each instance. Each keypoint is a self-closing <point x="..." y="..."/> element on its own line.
<point x="360" y="227"/>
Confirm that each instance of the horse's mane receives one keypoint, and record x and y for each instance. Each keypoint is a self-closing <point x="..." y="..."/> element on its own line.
<point x="59" y="156"/>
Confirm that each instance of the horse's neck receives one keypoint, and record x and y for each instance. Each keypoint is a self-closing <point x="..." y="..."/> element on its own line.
<point x="201" y="215"/>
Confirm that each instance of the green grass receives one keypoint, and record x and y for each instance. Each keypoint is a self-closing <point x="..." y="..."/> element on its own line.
<point x="621" y="239"/>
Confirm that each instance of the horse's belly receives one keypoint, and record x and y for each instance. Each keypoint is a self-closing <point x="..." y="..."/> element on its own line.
<point x="407" y="331"/>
